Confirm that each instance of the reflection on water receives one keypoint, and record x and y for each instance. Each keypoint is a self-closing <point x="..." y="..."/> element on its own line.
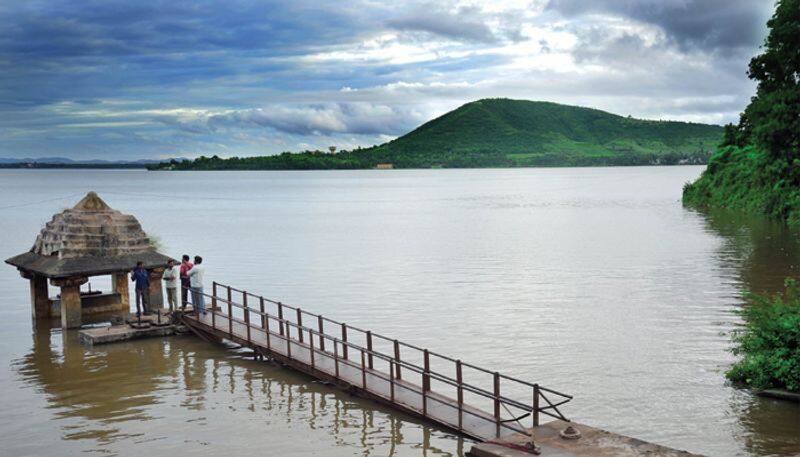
<point x="765" y="253"/>
<point x="179" y="391"/>
<point x="769" y="427"/>
<point x="595" y="282"/>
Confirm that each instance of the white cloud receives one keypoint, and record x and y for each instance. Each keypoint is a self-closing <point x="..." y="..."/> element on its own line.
<point x="324" y="119"/>
<point x="316" y="74"/>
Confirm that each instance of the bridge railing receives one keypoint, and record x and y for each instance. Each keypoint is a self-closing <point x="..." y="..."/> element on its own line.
<point x="309" y="327"/>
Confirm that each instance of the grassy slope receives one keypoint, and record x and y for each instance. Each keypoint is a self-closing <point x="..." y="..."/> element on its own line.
<point x="747" y="179"/>
<point x="525" y="127"/>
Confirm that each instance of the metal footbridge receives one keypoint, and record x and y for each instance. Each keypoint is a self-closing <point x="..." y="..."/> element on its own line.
<point x="471" y="400"/>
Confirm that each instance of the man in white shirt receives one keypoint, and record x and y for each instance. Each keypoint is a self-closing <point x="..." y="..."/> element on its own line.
<point x="196" y="285"/>
<point x="171" y="277"/>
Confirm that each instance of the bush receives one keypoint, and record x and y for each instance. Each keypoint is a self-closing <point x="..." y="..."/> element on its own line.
<point x="769" y="343"/>
<point x="748" y="179"/>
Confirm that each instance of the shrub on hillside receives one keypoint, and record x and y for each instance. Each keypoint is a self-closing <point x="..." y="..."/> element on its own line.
<point x="748" y="179"/>
<point x="769" y="343"/>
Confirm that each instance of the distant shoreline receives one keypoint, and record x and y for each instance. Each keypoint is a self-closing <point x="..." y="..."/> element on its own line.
<point x="145" y="168"/>
<point x="85" y="166"/>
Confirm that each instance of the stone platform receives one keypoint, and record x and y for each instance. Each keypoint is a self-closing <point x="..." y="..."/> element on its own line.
<point x="130" y="330"/>
<point x="593" y="442"/>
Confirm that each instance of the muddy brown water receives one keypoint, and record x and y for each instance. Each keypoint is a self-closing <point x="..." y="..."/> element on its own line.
<point x="595" y="282"/>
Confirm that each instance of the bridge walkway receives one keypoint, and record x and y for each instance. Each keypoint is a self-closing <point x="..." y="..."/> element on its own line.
<point x="339" y="358"/>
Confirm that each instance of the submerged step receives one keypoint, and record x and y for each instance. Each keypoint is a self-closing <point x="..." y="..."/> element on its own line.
<point x="150" y="327"/>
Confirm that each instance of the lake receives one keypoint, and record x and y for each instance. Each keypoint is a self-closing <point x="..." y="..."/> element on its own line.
<point x="592" y="281"/>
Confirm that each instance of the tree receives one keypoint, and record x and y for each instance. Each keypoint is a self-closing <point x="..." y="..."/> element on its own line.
<point x="772" y="120"/>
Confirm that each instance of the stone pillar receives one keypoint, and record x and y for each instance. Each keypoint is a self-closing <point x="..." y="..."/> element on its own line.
<point x="155" y="290"/>
<point x="119" y="282"/>
<point x="70" y="300"/>
<point x="40" y="301"/>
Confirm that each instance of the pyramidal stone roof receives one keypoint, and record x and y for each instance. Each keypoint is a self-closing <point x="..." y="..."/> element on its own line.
<point x="90" y="238"/>
<point x="91" y="228"/>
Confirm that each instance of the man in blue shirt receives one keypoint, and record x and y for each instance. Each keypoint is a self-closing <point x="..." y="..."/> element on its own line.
<point x="142" y="279"/>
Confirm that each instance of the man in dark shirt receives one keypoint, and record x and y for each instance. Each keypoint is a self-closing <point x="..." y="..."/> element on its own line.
<point x="142" y="279"/>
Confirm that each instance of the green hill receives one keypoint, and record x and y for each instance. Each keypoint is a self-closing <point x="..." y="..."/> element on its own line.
<point x="543" y="133"/>
<point x="509" y="133"/>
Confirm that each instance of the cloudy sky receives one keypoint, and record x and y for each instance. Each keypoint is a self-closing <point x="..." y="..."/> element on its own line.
<point x="144" y="79"/>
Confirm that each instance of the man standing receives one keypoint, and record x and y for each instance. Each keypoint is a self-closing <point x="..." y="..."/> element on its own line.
<point x="196" y="283"/>
<point x="186" y="265"/>
<point x="142" y="279"/>
<point x="171" y="277"/>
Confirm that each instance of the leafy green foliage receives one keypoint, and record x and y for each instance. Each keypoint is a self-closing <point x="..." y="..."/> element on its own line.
<point x="748" y="179"/>
<point x="770" y="342"/>
<point x="509" y="133"/>
<point x="757" y="166"/>
<point x="773" y="116"/>
<point x="757" y="169"/>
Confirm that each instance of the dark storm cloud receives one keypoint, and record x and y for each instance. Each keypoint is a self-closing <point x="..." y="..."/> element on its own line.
<point x="597" y="44"/>
<point x="461" y="24"/>
<point x="698" y="53"/>
<point x="122" y="28"/>
<point x="708" y="25"/>
<point x="58" y="50"/>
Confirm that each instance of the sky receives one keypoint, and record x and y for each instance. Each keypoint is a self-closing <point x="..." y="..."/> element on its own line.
<point x="127" y="80"/>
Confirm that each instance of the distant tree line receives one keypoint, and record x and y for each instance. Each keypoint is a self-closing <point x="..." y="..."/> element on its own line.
<point x="370" y="158"/>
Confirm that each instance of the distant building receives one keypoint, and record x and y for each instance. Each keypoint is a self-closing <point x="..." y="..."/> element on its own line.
<point x="384" y="166"/>
<point x="332" y="149"/>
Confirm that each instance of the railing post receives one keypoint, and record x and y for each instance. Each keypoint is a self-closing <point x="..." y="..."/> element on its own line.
<point x="230" y="313"/>
<point x="535" y="405"/>
<point x="397" y="358"/>
<point x="426" y="376"/>
<point x="391" y="380"/>
<point x="300" y="325"/>
<point x="214" y="306"/>
<point x="280" y="318"/>
<point x="246" y="314"/>
<point x="321" y="334"/>
<point x="497" y="402"/>
<point x="288" y="340"/>
<point x="336" y="358"/>
<point x="230" y="317"/>
<point x="344" y="340"/>
<point x="426" y="367"/>
<point x="363" y="371"/>
<point x="311" y="348"/>
<point x="264" y="321"/>
<point x="460" y="394"/>
<point x="369" y="348"/>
